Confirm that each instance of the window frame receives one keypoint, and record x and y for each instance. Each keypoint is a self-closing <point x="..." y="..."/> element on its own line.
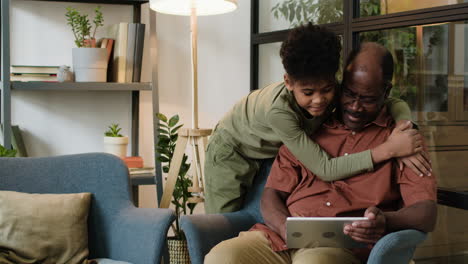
<point x="351" y="26"/>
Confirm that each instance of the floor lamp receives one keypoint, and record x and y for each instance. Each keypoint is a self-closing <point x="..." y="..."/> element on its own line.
<point x="196" y="136"/>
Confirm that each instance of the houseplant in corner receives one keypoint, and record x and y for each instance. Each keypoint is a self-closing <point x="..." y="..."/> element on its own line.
<point x="89" y="62"/>
<point x="178" y="251"/>
<point x="4" y="152"/>
<point x="114" y="142"/>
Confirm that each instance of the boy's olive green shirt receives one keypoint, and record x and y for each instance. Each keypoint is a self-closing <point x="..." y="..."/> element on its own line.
<point x="267" y="118"/>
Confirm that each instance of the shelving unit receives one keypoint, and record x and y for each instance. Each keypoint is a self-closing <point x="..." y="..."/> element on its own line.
<point x="81" y="86"/>
<point x="134" y="88"/>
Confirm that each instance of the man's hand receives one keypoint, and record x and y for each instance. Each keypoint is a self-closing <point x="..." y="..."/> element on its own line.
<point x="369" y="231"/>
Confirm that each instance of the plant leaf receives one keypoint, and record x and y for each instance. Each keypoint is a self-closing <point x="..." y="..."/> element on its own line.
<point x="161" y="117"/>
<point x="173" y="121"/>
<point x="163" y="159"/>
<point x="176" y="128"/>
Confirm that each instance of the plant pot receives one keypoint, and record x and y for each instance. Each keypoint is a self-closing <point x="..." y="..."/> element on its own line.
<point x="90" y="64"/>
<point x="178" y="251"/>
<point x="116" y="146"/>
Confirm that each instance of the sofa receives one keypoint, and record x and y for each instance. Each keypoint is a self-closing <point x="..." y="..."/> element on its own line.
<point x="118" y="232"/>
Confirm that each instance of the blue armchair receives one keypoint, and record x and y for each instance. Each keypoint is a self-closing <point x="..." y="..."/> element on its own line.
<point x="117" y="229"/>
<point x="203" y="232"/>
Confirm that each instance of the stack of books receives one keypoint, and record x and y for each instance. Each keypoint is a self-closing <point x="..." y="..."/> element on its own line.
<point x="29" y="73"/>
<point x="125" y="64"/>
<point x="135" y="166"/>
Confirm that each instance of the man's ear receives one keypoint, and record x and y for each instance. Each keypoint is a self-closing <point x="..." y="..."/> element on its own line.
<point x="288" y="82"/>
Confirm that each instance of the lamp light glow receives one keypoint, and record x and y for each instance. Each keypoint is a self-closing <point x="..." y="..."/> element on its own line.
<point x="184" y="7"/>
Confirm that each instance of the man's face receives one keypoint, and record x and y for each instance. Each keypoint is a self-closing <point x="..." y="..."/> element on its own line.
<point x="363" y="95"/>
<point x="313" y="96"/>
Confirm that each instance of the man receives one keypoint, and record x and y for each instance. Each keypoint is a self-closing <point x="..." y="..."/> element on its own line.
<point x="391" y="199"/>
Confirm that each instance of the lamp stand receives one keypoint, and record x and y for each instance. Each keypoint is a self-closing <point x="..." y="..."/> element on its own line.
<point x="198" y="138"/>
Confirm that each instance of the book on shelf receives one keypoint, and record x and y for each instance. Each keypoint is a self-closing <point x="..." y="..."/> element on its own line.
<point x="16" y="140"/>
<point x="139" y="171"/>
<point x="102" y="43"/>
<point x="34" y="69"/>
<point x="139" y="44"/>
<point x="128" y="40"/>
<point x="30" y="77"/>
<point x="131" y="39"/>
<point x="107" y="43"/>
<point x="118" y="32"/>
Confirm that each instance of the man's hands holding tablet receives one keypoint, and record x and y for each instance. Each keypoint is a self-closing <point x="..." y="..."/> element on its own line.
<point x="367" y="231"/>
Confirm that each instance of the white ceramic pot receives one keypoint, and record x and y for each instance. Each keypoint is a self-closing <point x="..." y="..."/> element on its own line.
<point x="90" y="64"/>
<point x="116" y="146"/>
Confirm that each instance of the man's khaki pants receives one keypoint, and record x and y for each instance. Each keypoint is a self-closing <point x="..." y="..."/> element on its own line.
<point x="253" y="247"/>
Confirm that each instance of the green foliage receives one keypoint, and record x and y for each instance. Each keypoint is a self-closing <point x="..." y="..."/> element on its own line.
<point x="165" y="147"/>
<point x="81" y="26"/>
<point x="401" y="42"/>
<point x="113" y="131"/>
<point x="298" y="12"/>
<point x="4" y="152"/>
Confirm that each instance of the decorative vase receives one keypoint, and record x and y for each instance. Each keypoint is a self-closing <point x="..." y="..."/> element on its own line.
<point x="116" y="146"/>
<point x="90" y="64"/>
<point x="178" y="251"/>
<point x="64" y="74"/>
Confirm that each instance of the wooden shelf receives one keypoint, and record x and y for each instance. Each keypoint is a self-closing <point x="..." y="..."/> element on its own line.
<point x="112" y="2"/>
<point x="80" y="86"/>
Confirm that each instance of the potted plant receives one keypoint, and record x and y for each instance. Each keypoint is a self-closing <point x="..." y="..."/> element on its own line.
<point x="4" y="152"/>
<point x="178" y="251"/>
<point x="114" y="142"/>
<point x="89" y="62"/>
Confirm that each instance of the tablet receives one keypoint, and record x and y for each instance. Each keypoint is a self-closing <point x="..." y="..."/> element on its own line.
<point x="310" y="232"/>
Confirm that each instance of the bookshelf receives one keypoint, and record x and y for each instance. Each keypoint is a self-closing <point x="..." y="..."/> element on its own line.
<point x="80" y="86"/>
<point x="134" y="89"/>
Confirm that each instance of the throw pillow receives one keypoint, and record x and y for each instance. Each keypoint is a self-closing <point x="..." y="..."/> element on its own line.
<point x="44" y="228"/>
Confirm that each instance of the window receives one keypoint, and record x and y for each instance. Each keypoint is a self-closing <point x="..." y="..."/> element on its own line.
<point x="385" y="7"/>
<point x="280" y="14"/>
<point x="429" y="42"/>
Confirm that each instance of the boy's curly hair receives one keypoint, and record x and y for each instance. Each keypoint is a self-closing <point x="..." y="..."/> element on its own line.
<point x="310" y="52"/>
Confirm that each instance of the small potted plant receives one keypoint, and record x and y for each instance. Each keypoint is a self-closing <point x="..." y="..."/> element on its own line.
<point x="114" y="142"/>
<point x="178" y="251"/>
<point x="4" y="152"/>
<point x="89" y="62"/>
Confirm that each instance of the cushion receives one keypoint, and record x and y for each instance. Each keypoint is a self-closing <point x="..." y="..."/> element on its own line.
<point x="44" y="228"/>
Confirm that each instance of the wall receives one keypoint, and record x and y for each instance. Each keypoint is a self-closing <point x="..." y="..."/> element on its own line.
<point x="223" y="68"/>
<point x="56" y="123"/>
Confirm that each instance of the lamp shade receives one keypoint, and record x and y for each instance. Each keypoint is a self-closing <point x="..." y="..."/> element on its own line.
<point x="184" y="7"/>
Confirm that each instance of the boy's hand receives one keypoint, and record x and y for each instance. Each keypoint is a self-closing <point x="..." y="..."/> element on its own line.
<point x="404" y="140"/>
<point x="368" y="231"/>
<point x="420" y="163"/>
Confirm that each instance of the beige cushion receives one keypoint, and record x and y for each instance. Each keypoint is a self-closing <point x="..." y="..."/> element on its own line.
<point x="45" y="228"/>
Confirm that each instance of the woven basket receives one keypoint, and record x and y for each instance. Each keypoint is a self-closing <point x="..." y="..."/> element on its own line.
<point x="178" y="251"/>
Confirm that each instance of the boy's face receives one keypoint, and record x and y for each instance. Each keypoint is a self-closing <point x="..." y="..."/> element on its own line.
<point x="313" y="96"/>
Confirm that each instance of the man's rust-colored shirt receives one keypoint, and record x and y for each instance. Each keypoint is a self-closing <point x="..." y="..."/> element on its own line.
<point x="386" y="187"/>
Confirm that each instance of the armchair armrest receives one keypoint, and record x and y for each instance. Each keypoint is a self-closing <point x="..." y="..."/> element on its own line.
<point x="203" y="232"/>
<point x="396" y="247"/>
<point x="135" y="235"/>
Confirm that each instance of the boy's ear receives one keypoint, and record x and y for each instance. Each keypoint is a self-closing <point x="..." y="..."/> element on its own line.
<point x="288" y="82"/>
